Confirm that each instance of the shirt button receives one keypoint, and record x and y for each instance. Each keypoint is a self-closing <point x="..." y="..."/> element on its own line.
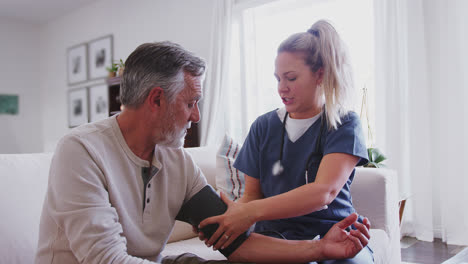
<point x="149" y="185"/>
<point x="147" y="200"/>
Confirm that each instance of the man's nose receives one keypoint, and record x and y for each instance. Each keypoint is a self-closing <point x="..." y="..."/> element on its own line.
<point x="195" y="115"/>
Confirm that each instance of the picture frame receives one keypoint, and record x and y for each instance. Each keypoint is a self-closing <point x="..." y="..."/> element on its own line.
<point x="77" y="107"/>
<point x="98" y="103"/>
<point x="100" y="56"/>
<point x="9" y="104"/>
<point x="77" y="64"/>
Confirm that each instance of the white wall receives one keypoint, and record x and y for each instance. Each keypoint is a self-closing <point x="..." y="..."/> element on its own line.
<point x="19" y="75"/>
<point x="131" y="23"/>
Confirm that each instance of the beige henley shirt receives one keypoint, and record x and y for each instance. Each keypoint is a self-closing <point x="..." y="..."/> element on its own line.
<point x="94" y="210"/>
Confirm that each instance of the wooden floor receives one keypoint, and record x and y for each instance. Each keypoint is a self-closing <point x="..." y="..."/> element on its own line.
<point x="415" y="251"/>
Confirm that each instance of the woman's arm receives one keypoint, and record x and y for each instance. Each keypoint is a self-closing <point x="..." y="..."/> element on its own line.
<point x="337" y="244"/>
<point x="333" y="173"/>
<point x="252" y="190"/>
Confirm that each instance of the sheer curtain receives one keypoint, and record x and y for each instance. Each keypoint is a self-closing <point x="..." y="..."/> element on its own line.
<point x="421" y="121"/>
<point x="212" y="107"/>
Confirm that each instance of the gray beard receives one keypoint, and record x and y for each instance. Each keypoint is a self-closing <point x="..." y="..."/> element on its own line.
<point x="174" y="138"/>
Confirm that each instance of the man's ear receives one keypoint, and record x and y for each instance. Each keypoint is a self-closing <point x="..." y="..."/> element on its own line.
<point x="155" y="96"/>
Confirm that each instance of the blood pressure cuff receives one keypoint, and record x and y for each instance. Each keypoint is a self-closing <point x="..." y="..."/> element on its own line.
<point x="204" y="204"/>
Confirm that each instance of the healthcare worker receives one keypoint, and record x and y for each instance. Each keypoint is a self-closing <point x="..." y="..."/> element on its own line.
<point x="300" y="160"/>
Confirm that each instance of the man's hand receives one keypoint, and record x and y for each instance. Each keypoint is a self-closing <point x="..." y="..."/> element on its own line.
<point x="236" y="220"/>
<point x="341" y="244"/>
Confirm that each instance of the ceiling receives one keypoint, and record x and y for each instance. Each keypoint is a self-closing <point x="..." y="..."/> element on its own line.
<point x="38" y="11"/>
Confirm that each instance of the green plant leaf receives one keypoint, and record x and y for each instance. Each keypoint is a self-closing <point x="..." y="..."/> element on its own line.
<point x="378" y="155"/>
<point x="380" y="158"/>
<point x="375" y="158"/>
<point x="113" y="68"/>
<point x="370" y="153"/>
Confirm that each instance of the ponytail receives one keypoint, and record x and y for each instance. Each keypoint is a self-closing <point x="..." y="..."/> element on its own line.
<point x="323" y="48"/>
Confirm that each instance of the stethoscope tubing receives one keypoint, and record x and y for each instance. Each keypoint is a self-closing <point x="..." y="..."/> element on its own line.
<point x="317" y="150"/>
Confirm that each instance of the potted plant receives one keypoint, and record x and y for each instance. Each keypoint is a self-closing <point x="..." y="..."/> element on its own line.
<point x="121" y="66"/>
<point x="112" y="70"/>
<point x="376" y="157"/>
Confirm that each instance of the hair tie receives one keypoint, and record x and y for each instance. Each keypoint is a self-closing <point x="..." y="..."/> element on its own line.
<point x="313" y="32"/>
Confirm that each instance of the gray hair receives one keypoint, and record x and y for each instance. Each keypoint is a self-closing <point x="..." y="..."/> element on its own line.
<point x="158" y="64"/>
<point x="323" y="48"/>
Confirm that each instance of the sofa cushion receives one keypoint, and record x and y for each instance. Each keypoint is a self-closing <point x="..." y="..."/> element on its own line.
<point x="23" y="186"/>
<point x="181" y="231"/>
<point x="205" y="159"/>
<point x="229" y="179"/>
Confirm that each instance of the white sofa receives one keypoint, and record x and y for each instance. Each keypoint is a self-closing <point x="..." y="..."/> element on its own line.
<point x="23" y="180"/>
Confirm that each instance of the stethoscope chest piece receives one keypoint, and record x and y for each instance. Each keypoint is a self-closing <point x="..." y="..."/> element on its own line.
<point x="277" y="168"/>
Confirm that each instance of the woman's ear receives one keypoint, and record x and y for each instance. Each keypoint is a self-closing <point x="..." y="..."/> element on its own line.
<point x="319" y="74"/>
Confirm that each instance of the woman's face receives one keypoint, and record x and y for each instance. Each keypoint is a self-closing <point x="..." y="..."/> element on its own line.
<point x="297" y="85"/>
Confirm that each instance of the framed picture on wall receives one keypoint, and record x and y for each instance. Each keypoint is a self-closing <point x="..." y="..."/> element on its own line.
<point x="98" y="103"/>
<point x="77" y="64"/>
<point x="9" y="104"/>
<point x="77" y="107"/>
<point x="100" y="56"/>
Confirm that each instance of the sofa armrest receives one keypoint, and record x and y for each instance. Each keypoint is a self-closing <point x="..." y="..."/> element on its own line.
<point x="375" y="196"/>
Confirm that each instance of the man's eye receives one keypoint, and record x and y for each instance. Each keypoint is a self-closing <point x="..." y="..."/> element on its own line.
<point x="292" y="79"/>
<point x="191" y="105"/>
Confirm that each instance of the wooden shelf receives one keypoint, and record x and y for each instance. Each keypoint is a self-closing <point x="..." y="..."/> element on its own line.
<point x="114" y="81"/>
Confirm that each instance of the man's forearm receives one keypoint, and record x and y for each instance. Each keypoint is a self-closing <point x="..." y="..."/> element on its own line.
<point x="263" y="249"/>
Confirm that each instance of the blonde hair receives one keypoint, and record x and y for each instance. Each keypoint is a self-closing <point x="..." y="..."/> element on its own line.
<point x="323" y="48"/>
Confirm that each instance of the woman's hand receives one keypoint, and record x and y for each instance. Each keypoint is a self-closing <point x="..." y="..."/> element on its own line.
<point x="341" y="244"/>
<point x="238" y="218"/>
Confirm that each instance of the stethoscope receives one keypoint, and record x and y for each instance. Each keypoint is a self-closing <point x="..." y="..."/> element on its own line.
<point x="278" y="168"/>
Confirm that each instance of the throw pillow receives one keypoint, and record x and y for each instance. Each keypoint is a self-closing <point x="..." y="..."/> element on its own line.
<point x="229" y="180"/>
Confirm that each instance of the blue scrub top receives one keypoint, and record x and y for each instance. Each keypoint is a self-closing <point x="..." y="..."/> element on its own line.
<point x="261" y="150"/>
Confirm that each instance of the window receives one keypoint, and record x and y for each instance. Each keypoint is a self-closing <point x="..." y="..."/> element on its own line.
<point x="256" y="35"/>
